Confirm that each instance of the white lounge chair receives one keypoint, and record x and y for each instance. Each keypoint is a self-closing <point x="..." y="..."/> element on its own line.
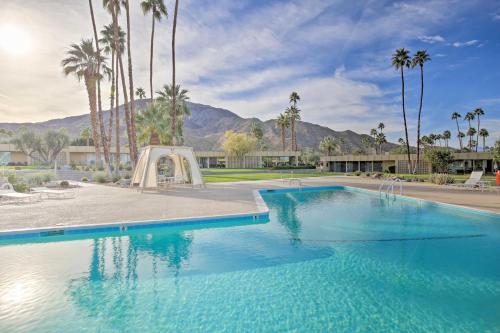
<point x="53" y="194"/>
<point x="473" y="181"/>
<point x="9" y="195"/>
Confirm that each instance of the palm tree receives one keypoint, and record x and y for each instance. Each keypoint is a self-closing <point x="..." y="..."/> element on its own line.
<point x="110" y="44"/>
<point x="104" y="139"/>
<point x="294" y="98"/>
<point x="478" y="112"/>
<point x="419" y="59"/>
<point x="86" y="134"/>
<point x="461" y="136"/>
<point x="373" y="132"/>
<point x="439" y="137"/>
<point x="133" y="135"/>
<point x="182" y="111"/>
<point x="153" y="124"/>
<point x="157" y="9"/>
<point x="293" y="113"/>
<point x="283" y="122"/>
<point x="139" y="92"/>
<point x="82" y="62"/>
<point x="455" y="116"/>
<point x="484" y="134"/>
<point x="400" y="60"/>
<point x="432" y="138"/>
<point x="446" y="136"/>
<point x="328" y="144"/>
<point x="471" y="132"/>
<point x="381" y="127"/>
<point x="174" y="102"/>
<point x="380" y="140"/>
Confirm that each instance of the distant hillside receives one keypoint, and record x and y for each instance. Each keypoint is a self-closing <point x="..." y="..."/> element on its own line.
<point x="204" y="130"/>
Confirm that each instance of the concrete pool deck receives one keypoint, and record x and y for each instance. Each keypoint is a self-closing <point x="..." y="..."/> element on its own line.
<point x="100" y="204"/>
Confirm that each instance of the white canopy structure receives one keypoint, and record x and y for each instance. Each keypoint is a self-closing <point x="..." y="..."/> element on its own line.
<point x="182" y="167"/>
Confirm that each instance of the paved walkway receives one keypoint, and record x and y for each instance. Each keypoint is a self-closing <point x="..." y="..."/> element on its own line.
<point x="100" y="204"/>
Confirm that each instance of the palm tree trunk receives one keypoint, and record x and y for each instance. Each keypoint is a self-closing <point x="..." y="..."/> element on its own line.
<point x="484" y="143"/>
<point x="404" y="119"/>
<point x="292" y="130"/>
<point x="91" y="92"/>
<point x="283" y="138"/>
<point x="133" y="143"/>
<point x="111" y="104"/>
<point x="477" y="135"/>
<point x="99" y="103"/>
<point x="459" y="137"/>
<point x="151" y="57"/>
<point x="174" y="109"/>
<point x="419" y="117"/>
<point x="117" y="117"/>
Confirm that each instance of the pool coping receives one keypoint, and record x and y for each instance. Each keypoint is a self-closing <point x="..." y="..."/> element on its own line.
<point x="261" y="215"/>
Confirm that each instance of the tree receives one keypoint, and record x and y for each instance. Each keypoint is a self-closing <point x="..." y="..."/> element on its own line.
<point x="461" y="136"/>
<point x="478" y="113"/>
<point x="110" y="44"/>
<point x="139" y="92"/>
<point x="439" y="158"/>
<point x="455" y="116"/>
<point x="83" y="64"/>
<point x="471" y="132"/>
<point x="238" y="144"/>
<point x="496" y="152"/>
<point x="446" y="136"/>
<point x="469" y="116"/>
<point x="283" y="122"/>
<point x="483" y="133"/>
<point x="366" y="143"/>
<point x="174" y="27"/>
<point x="86" y="134"/>
<point x="103" y="136"/>
<point x="419" y="59"/>
<point x="257" y="132"/>
<point x="45" y="147"/>
<point x="400" y="60"/>
<point x="158" y="10"/>
<point x="380" y="140"/>
<point x="182" y="111"/>
<point x="294" y="115"/>
<point x="153" y="125"/>
<point x="328" y="145"/>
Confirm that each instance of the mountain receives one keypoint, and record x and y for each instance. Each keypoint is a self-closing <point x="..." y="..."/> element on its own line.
<point x="204" y="130"/>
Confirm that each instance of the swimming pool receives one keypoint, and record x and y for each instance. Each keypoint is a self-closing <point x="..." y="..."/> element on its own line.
<point x="329" y="259"/>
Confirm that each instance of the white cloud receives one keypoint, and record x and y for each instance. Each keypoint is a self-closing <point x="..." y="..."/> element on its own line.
<point x="496" y="17"/>
<point x="432" y="39"/>
<point x="467" y="43"/>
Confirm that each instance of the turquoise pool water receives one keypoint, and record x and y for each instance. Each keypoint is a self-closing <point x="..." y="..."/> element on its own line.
<point x="328" y="260"/>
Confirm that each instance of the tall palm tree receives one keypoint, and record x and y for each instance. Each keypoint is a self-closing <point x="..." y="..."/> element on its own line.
<point x="461" y="136"/>
<point x="166" y="96"/>
<point x="419" y="59"/>
<point x="153" y="124"/>
<point x="294" y="98"/>
<point x="455" y="116"/>
<point x="483" y="133"/>
<point x="471" y="132"/>
<point x="158" y="10"/>
<point x="293" y="113"/>
<point x="103" y="136"/>
<point x="400" y="60"/>
<point x="381" y="127"/>
<point x="328" y="144"/>
<point x="82" y="62"/>
<point x="469" y="116"/>
<point x="283" y="122"/>
<point x="174" y="102"/>
<point x="446" y="136"/>
<point x="478" y="112"/>
<point x="139" y="92"/>
<point x="110" y="45"/>
<point x="86" y="134"/>
<point x="380" y="140"/>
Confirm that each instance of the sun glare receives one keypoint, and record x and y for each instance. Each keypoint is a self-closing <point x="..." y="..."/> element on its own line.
<point x="14" y="40"/>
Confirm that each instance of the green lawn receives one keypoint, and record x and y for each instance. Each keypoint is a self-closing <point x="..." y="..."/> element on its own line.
<point x="259" y="176"/>
<point x="227" y="170"/>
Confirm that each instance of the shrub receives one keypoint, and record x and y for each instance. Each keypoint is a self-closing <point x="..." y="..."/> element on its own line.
<point x="357" y="173"/>
<point x="127" y="176"/>
<point x="19" y="183"/>
<point x="39" y="179"/>
<point x="441" y="178"/>
<point x="84" y="179"/>
<point x="100" y="177"/>
<point x="64" y="183"/>
<point x="116" y="179"/>
<point x="439" y="158"/>
<point x="367" y="174"/>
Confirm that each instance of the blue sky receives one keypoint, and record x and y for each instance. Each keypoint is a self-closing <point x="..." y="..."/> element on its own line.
<point x="247" y="56"/>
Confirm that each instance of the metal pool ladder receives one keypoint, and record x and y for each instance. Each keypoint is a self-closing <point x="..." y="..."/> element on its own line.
<point x="387" y="187"/>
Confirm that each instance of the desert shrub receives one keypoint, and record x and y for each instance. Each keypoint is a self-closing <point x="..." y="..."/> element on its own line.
<point x="357" y="173"/>
<point x="100" y="177"/>
<point x="367" y="174"/>
<point x="18" y="182"/>
<point x="439" y="158"/>
<point x="38" y="179"/>
<point x="127" y="176"/>
<point x="441" y="178"/>
<point x="116" y="179"/>
<point x="84" y="179"/>
<point x="64" y="183"/>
